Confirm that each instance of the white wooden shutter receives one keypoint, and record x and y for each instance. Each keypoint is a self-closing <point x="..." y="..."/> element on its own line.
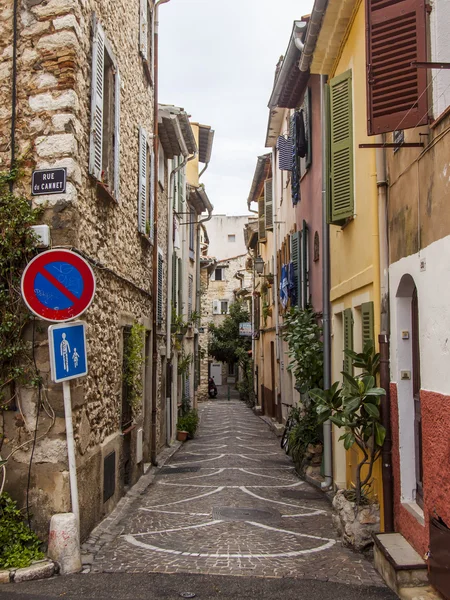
<point x="143" y="181"/>
<point x="96" y="137"/>
<point x="152" y="195"/>
<point x="117" y="137"/>
<point x="216" y="307"/>
<point x="143" y="40"/>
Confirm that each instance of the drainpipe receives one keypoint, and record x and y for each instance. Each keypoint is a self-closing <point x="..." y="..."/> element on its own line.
<point x="153" y="446"/>
<point x="383" y="338"/>
<point x="170" y="273"/>
<point x="327" y="431"/>
<point x="275" y="275"/>
<point x="14" y="92"/>
<point x="203" y="170"/>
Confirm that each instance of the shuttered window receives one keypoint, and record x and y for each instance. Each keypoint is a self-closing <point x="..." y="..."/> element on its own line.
<point x="367" y="323"/>
<point x="341" y="199"/>
<point x="190" y="292"/>
<point x="174" y="280"/>
<point x="305" y="162"/>
<point x="261" y="220"/>
<point x="268" y="203"/>
<point x="146" y="38"/>
<point x="159" y="309"/>
<point x="297" y="262"/>
<point x="151" y="196"/>
<point x="104" y="150"/>
<point x="348" y="340"/>
<point x="396" y="91"/>
<point x="143" y="225"/>
<point x="305" y="265"/>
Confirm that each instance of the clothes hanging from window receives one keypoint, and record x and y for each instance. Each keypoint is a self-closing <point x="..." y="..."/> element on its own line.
<point x="292" y="288"/>
<point x="302" y="145"/>
<point x="284" y="286"/>
<point x="284" y="147"/>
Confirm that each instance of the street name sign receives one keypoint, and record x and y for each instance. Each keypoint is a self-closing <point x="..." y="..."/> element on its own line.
<point x="58" y="285"/>
<point x="49" y="181"/>
<point x="68" y="356"/>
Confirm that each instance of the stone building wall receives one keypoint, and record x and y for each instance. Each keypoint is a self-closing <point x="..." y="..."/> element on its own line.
<point x="53" y="128"/>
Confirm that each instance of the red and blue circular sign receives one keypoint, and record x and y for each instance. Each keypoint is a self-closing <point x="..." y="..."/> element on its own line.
<point x="58" y="285"/>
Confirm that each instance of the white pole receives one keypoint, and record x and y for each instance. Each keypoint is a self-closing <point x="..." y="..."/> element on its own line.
<point x="71" y="452"/>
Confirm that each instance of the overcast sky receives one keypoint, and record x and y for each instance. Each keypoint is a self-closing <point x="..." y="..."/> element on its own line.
<point x="217" y="60"/>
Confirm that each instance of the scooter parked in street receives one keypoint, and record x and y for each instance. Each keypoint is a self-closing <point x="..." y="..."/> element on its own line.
<point x="212" y="388"/>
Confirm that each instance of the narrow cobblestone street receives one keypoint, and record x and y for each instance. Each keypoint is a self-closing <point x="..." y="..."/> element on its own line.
<point x="230" y="503"/>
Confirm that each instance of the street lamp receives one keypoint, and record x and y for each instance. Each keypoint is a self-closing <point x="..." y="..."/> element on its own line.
<point x="259" y="265"/>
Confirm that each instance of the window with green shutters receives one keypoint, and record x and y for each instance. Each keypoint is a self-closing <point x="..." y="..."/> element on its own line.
<point x="348" y="340"/>
<point x="341" y="149"/>
<point x="367" y="322"/>
<point x="296" y="257"/>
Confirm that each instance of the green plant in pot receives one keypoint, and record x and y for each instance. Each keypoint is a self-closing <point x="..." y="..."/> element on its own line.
<point x="188" y="423"/>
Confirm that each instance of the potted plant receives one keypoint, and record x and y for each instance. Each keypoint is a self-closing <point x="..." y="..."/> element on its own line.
<point x="270" y="278"/>
<point x="355" y="408"/>
<point x="187" y="424"/>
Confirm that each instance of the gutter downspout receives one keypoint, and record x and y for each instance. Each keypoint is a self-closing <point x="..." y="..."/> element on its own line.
<point x="314" y="26"/>
<point x="14" y="93"/>
<point x="153" y="446"/>
<point x="383" y="338"/>
<point x="203" y="170"/>
<point x="169" y="283"/>
<point x="327" y="431"/>
<point x="275" y="276"/>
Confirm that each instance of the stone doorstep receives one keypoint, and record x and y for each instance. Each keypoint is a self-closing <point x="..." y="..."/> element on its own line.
<point x="42" y="569"/>
<point x="398" y="563"/>
<point x="277" y="428"/>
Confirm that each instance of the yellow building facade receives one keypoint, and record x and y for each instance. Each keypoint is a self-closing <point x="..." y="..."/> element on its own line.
<point x="353" y="204"/>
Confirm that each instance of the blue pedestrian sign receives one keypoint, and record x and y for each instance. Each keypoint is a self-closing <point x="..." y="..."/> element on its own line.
<point x="68" y="357"/>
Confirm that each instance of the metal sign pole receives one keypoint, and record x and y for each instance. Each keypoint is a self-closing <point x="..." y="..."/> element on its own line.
<point x="71" y="452"/>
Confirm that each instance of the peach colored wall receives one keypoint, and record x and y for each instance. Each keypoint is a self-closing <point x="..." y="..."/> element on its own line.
<point x="436" y="467"/>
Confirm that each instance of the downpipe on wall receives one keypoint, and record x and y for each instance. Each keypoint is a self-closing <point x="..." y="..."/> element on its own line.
<point x="327" y="431"/>
<point x="153" y="446"/>
<point x="383" y="338"/>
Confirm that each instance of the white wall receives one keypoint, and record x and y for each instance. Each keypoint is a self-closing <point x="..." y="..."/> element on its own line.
<point x="433" y="290"/>
<point x="219" y="228"/>
<point x="440" y="52"/>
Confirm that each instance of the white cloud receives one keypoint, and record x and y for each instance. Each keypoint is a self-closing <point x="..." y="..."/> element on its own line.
<point x="217" y="61"/>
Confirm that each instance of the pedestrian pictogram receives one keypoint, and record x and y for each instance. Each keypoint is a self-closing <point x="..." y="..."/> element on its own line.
<point x="58" y="285"/>
<point x="68" y="356"/>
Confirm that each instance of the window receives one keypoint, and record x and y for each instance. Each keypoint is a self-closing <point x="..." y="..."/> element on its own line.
<point x="160" y="298"/>
<point x="396" y="93"/>
<point x="146" y="37"/>
<point x="224" y="307"/>
<point x="219" y="274"/>
<point x="261" y="219"/>
<point x="190" y="293"/>
<point x="341" y="197"/>
<point x="231" y="237"/>
<point x="300" y="260"/>
<point x="268" y="203"/>
<point x="192" y="216"/>
<point x="105" y="114"/>
<point x="161" y="165"/>
<point x="146" y="191"/>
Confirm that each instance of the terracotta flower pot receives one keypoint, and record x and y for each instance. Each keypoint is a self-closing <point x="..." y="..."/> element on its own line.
<point x="182" y="436"/>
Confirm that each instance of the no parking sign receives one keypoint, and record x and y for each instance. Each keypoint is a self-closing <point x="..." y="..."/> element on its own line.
<point x="58" y="285"/>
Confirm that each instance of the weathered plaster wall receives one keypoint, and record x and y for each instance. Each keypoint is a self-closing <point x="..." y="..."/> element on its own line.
<point x="53" y="109"/>
<point x="218" y="228"/>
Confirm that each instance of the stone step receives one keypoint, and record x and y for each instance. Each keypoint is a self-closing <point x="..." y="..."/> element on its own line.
<point x="398" y="563"/>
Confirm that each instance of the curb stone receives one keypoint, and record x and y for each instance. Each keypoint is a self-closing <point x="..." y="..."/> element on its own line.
<point x="110" y="527"/>
<point x="42" y="569"/>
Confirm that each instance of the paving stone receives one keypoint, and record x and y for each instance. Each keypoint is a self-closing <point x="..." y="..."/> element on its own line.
<point x="191" y="516"/>
<point x="41" y="570"/>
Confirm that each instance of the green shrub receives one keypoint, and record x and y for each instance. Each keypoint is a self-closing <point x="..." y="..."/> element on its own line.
<point x="188" y="422"/>
<point x="19" y="546"/>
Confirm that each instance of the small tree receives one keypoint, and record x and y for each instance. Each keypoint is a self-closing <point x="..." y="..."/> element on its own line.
<point x="226" y="345"/>
<point x="303" y="335"/>
<point x="355" y="407"/>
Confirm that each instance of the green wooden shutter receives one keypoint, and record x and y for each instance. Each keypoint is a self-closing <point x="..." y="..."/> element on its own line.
<point x="268" y="203"/>
<point x="297" y="261"/>
<point x="261" y="220"/>
<point x="342" y="193"/>
<point x="305" y="265"/>
<point x="348" y="339"/>
<point x="367" y="323"/>
<point x="174" y="279"/>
